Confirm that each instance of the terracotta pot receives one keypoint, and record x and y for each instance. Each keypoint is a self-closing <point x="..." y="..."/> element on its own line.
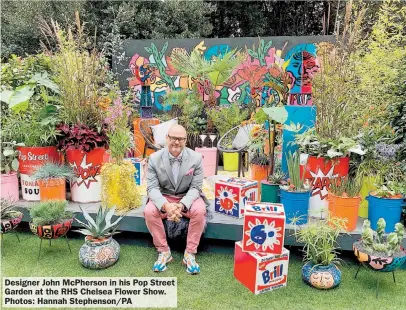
<point x="99" y="253"/>
<point x="52" y="189"/>
<point x="378" y="263"/>
<point x="54" y="231"/>
<point x="12" y="222"/>
<point x="259" y="172"/>
<point x="9" y="186"/>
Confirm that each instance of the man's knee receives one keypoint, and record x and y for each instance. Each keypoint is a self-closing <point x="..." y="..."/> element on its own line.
<point x="151" y="211"/>
<point x="198" y="209"/>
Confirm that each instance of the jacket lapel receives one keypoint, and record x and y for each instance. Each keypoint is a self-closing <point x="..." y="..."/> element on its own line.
<point x="168" y="167"/>
<point x="183" y="168"/>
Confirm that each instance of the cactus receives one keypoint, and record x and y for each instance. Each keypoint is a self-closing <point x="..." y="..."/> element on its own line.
<point x="380" y="230"/>
<point x="400" y="232"/>
<point x="378" y="242"/>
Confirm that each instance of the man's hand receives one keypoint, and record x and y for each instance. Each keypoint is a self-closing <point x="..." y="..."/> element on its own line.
<point x="173" y="211"/>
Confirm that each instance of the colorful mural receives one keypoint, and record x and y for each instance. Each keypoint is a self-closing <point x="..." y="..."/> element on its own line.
<point x="151" y="74"/>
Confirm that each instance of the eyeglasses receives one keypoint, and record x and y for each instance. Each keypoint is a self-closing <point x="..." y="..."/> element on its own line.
<point x="173" y="139"/>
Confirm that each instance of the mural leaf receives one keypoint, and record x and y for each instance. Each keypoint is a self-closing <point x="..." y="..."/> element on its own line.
<point x="154" y="49"/>
<point x="278" y="114"/>
<point x="267" y="46"/>
<point x="164" y="48"/>
<point x="148" y="49"/>
<point x="252" y="53"/>
<point x="261" y="46"/>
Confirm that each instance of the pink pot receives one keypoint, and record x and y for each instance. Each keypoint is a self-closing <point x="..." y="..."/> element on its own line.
<point x="9" y="186"/>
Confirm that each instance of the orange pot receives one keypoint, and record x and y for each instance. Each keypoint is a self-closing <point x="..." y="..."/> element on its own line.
<point x="345" y="208"/>
<point x="52" y="189"/>
<point x="259" y="173"/>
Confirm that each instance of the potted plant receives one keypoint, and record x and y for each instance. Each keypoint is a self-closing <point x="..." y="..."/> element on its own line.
<point x="52" y="179"/>
<point x="259" y="160"/>
<point x="50" y="220"/>
<point x="83" y="102"/>
<point x="225" y="118"/>
<point x="320" y="252"/>
<point x="10" y="217"/>
<point x="343" y="201"/>
<point x="270" y="187"/>
<point x="296" y="193"/>
<point x="386" y="202"/>
<point x="9" y="166"/>
<point x="100" y="249"/>
<point x="29" y="115"/>
<point x="380" y="252"/>
<point x="119" y="188"/>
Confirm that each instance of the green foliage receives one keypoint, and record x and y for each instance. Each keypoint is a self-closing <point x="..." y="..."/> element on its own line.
<point x="51" y="170"/>
<point x="376" y="241"/>
<point x="390" y="189"/>
<point x="295" y="182"/>
<point x="320" y="240"/>
<point x="7" y="208"/>
<point x="102" y="226"/>
<point x="345" y="187"/>
<point x="49" y="212"/>
<point x="226" y="117"/>
<point x="188" y="108"/>
<point x="8" y="156"/>
<point x="277" y="177"/>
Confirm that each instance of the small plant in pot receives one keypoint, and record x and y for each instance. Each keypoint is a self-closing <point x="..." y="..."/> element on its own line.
<point x="9" y="166"/>
<point x="344" y="201"/>
<point x="50" y="220"/>
<point x="10" y="217"/>
<point x="386" y="202"/>
<point x="52" y="179"/>
<point x="100" y="249"/>
<point x="295" y="194"/>
<point x="379" y="251"/>
<point x="270" y="188"/>
<point x="259" y="160"/>
<point x="320" y="252"/>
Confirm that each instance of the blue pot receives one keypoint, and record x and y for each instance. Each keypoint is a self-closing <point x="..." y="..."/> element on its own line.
<point x="296" y="204"/>
<point x="388" y="209"/>
<point x="321" y="277"/>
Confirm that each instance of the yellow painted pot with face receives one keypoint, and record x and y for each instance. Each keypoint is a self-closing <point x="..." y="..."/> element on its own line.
<point x="321" y="277"/>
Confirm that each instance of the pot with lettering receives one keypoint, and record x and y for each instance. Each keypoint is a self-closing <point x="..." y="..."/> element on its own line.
<point x="86" y="184"/>
<point x="29" y="159"/>
<point x="320" y="171"/>
<point x="100" y="249"/>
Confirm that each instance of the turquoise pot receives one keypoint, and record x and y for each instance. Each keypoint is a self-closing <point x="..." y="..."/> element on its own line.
<point x="99" y="254"/>
<point x="321" y="277"/>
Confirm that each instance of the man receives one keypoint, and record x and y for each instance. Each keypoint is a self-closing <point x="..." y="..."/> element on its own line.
<point x="174" y="186"/>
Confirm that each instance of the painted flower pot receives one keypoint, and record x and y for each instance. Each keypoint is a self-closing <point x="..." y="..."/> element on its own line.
<point x="29" y="159"/>
<point x="9" y="186"/>
<point x="321" y="277"/>
<point x="259" y="172"/>
<point x="366" y="188"/>
<point x="390" y="209"/>
<point x="269" y="192"/>
<point x="320" y="171"/>
<point x="8" y="224"/>
<point x="296" y="205"/>
<point x="344" y="208"/>
<point x="230" y="161"/>
<point x="378" y="263"/>
<point x="99" y="253"/>
<point x="54" y="231"/>
<point x="86" y="185"/>
<point x="52" y="189"/>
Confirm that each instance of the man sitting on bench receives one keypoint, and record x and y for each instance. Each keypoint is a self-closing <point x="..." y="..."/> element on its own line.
<point x="174" y="186"/>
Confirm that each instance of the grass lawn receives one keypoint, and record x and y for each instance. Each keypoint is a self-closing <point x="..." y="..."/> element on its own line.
<point x="215" y="287"/>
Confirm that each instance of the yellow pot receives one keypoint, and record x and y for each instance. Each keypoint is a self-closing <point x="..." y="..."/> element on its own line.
<point x="367" y="186"/>
<point x="230" y="161"/>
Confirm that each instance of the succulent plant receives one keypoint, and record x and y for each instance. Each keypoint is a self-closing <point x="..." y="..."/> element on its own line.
<point x="7" y="207"/>
<point x="51" y="170"/>
<point x="377" y="242"/>
<point x="102" y="227"/>
<point x="277" y="177"/>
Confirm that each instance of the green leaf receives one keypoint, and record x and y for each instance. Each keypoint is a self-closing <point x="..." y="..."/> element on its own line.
<point x="42" y="79"/>
<point x="15" y="164"/>
<point x="5" y="95"/>
<point x="148" y="49"/>
<point x="20" y="99"/>
<point x="164" y="48"/>
<point x="267" y="46"/>
<point x="252" y="53"/>
<point x="278" y="114"/>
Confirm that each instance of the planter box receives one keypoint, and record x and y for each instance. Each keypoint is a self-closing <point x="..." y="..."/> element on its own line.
<point x="231" y="196"/>
<point x="258" y="272"/>
<point x="264" y="228"/>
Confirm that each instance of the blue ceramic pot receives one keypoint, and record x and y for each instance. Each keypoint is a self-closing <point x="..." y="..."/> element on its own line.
<point x="321" y="277"/>
<point x="99" y="254"/>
